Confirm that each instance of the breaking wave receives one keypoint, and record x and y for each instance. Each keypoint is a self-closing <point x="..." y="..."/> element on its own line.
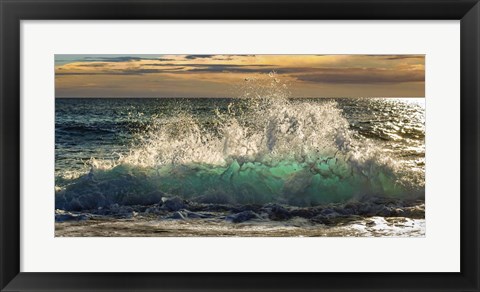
<point x="262" y="148"/>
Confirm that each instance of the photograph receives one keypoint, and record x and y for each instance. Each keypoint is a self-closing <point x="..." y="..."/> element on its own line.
<point x="239" y="145"/>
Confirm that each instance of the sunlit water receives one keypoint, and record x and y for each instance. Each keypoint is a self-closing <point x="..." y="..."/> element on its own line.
<point x="262" y="147"/>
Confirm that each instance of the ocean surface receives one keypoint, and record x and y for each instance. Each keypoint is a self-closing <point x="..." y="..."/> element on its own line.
<point x="208" y="157"/>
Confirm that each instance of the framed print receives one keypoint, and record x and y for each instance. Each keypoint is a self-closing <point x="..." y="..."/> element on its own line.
<point x="239" y="146"/>
<point x="195" y="164"/>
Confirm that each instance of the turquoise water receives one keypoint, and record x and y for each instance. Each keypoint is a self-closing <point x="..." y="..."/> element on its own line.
<point x="262" y="149"/>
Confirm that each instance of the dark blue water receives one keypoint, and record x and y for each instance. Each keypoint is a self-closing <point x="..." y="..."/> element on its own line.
<point x="305" y="151"/>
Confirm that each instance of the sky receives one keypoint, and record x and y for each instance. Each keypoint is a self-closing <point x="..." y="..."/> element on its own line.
<point x="219" y="75"/>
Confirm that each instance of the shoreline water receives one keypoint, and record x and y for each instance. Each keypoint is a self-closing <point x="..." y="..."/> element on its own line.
<point x="176" y="217"/>
<point x="245" y="167"/>
<point x="143" y="227"/>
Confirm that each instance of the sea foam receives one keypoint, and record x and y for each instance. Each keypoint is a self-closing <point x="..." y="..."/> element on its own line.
<point x="264" y="147"/>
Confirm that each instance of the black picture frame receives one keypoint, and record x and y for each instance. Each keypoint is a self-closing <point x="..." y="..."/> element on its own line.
<point x="13" y="11"/>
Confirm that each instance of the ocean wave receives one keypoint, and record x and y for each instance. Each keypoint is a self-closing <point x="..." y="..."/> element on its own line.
<point x="261" y="148"/>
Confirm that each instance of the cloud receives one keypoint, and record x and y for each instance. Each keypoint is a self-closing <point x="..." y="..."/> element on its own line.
<point x="172" y="68"/>
<point x="362" y="76"/>
<point x="403" y="57"/>
<point x="308" y="75"/>
<point x="216" y="68"/>
<point x="140" y="71"/>
<point x="66" y="59"/>
<point x="312" y="75"/>
<point x="92" y="65"/>
<point x="88" y="73"/>
<point x="193" y="57"/>
<point x="115" y="59"/>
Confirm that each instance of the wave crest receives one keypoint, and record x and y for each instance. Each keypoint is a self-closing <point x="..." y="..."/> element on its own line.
<point x="262" y="148"/>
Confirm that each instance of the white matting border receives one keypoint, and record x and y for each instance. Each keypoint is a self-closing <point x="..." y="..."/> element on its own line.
<point x="439" y="251"/>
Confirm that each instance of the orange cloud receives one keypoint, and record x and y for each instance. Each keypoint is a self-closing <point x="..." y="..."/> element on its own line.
<point x="215" y="75"/>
